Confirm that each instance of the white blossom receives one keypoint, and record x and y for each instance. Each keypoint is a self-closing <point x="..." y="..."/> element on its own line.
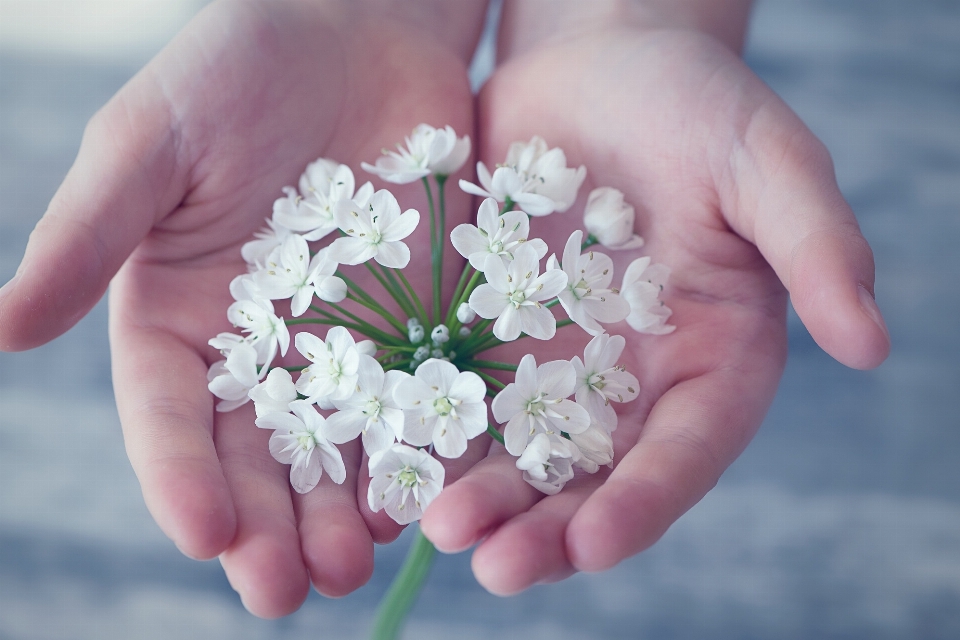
<point x="547" y="462"/>
<point x="428" y="151"/>
<point x="610" y="220"/>
<point x="596" y="448"/>
<point x="266" y="333"/>
<point x="600" y="380"/>
<point x="299" y="440"/>
<point x="231" y="379"/>
<point x="514" y="296"/>
<point x="332" y="374"/>
<point x="443" y="406"/>
<point x="371" y="411"/>
<point x="537" y="403"/>
<point x="323" y="184"/>
<point x="374" y="231"/>
<point x="588" y="298"/>
<point x="274" y="394"/>
<point x="642" y="284"/>
<point x="494" y="235"/>
<point x="291" y="273"/>
<point x="403" y="481"/>
<point x="255" y="252"/>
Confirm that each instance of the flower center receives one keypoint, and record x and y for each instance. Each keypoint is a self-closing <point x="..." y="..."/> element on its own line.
<point x="306" y="441"/>
<point x="408" y="477"/>
<point x="442" y="406"/>
<point x="372" y="408"/>
<point x="517" y="298"/>
<point x="537" y="406"/>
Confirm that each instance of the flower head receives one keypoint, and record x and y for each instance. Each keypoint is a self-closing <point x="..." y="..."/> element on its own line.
<point x="334" y="369"/>
<point x="291" y="273"/>
<point x="403" y="481"/>
<point x="600" y="380"/>
<point x="266" y="332"/>
<point x="323" y="184"/>
<point x="537" y="403"/>
<point x="299" y="440"/>
<point x="610" y="220"/>
<point x="374" y="231"/>
<point x="443" y="406"/>
<point x="494" y="235"/>
<point x="547" y="462"/>
<point x="588" y="298"/>
<point x="514" y="295"/>
<point x="274" y="394"/>
<point x="231" y="379"/>
<point x="642" y="284"/>
<point x="371" y="411"/>
<point x="428" y="151"/>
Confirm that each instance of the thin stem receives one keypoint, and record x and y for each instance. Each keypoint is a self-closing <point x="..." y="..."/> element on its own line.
<point x="424" y="318"/>
<point x="360" y="325"/>
<point x="507" y="206"/>
<point x="452" y="311"/>
<point x="588" y="242"/>
<point x="404" y="590"/>
<point x="441" y="244"/>
<point x="374" y="306"/>
<point x="494" y="434"/>
<point x="436" y="250"/>
<point x="395" y="291"/>
<point x="492" y="364"/>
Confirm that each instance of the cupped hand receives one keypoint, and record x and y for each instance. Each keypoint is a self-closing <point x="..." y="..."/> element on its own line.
<point x="174" y="174"/>
<point x="739" y="199"/>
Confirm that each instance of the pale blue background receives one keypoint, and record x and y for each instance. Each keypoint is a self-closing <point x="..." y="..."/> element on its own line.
<point x="841" y="520"/>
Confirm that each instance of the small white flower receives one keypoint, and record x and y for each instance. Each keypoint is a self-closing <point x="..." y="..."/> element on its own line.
<point x="231" y="379"/>
<point x="465" y="315"/>
<point x="428" y="151"/>
<point x="299" y="440"/>
<point x="610" y="220"/>
<point x="371" y="410"/>
<point x="374" y="231"/>
<point x="255" y="252"/>
<point x="323" y="184"/>
<point x="514" y="296"/>
<point x="274" y="394"/>
<point x="443" y="406"/>
<point x="403" y="481"/>
<point x="266" y="332"/>
<point x="588" y="298"/>
<point x="332" y="374"/>
<point x="494" y="235"/>
<point x="642" y="284"/>
<point x="600" y="380"/>
<point x="291" y="273"/>
<point x="547" y="462"/>
<point x="537" y="403"/>
<point x="533" y="176"/>
<point x="596" y="448"/>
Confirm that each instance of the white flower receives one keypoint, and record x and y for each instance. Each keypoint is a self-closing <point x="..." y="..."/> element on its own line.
<point x="323" y="184"/>
<point x="547" y="462"/>
<point x="256" y="251"/>
<point x="536" y="403"/>
<point x="332" y="374"/>
<point x="513" y="295"/>
<point x="588" y="297"/>
<point x="299" y="440"/>
<point x="596" y="448"/>
<point x="610" y="220"/>
<point x="374" y="231"/>
<point x="274" y="394"/>
<point x="642" y="284"/>
<point x="231" y="379"/>
<point x="533" y="176"/>
<point x="371" y="410"/>
<point x="600" y="380"/>
<point x="428" y="150"/>
<point x="442" y="405"/>
<point x="266" y="332"/>
<point x="291" y="273"/>
<point x="403" y="481"/>
<point x="494" y="235"/>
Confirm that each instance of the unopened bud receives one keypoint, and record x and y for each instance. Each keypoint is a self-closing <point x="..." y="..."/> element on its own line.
<point x="440" y="334"/>
<point x="465" y="314"/>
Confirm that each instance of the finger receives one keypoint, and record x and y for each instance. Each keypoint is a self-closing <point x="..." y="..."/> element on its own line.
<point x="337" y="547"/>
<point x="167" y="418"/>
<point x="263" y="563"/>
<point x="488" y="495"/>
<point x="780" y="192"/>
<point x="530" y="548"/>
<point x="694" y="431"/>
<point x="126" y="175"/>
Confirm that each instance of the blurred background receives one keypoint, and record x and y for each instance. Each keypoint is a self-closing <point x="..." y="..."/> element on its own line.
<point x="841" y="520"/>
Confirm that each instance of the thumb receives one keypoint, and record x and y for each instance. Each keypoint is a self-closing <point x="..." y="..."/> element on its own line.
<point x="785" y="199"/>
<point x="126" y="176"/>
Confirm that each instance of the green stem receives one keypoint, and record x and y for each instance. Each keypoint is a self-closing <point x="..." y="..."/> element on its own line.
<point x="404" y="590"/>
<point x="424" y="318"/>
<point x="374" y="306"/>
<point x="441" y="244"/>
<point x="494" y="433"/>
<point x="588" y="242"/>
<point x="395" y="291"/>
<point x="507" y="206"/>
<point x="491" y="364"/>
<point x="436" y="251"/>
<point x="360" y="325"/>
<point x="452" y="311"/>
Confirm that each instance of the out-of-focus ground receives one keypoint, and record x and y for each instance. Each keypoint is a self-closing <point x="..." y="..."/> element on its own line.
<point x="841" y="520"/>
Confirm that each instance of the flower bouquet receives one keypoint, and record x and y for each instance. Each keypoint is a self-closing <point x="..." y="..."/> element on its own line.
<point x="415" y="388"/>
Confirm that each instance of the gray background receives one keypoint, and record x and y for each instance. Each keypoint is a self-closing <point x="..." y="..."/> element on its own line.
<point x="841" y="520"/>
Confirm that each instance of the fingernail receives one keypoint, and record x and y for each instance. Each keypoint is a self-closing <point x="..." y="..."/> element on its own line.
<point x="869" y="306"/>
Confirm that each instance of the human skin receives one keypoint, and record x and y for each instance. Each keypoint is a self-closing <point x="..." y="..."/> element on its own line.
<point x="735" y="195"/>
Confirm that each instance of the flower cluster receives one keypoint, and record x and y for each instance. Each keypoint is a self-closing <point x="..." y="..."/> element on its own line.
<point x="418" y="389"/>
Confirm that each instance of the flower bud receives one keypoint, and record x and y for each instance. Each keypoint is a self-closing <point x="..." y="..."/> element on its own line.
<point x="610" y="220"/>
<point x="440" y="334"/>
<point x="464" y="332"/>
<point x="436" y="353"/>
<point x="421" y="353"/>
<point x="412" y="322"/>
<point x="465" y="314"/>
<point x="367" y="348"/>
<point x="415" y="333"/>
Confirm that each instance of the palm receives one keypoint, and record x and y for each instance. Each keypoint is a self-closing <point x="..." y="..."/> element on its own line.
<point x="661" y="116"/>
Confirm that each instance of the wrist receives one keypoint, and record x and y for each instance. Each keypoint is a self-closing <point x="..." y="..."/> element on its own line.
<point x="527" y="24"/>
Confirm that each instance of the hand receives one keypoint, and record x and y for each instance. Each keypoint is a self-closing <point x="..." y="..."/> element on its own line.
<point x="173" y="175"/>
<point x="739" y="199"/>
